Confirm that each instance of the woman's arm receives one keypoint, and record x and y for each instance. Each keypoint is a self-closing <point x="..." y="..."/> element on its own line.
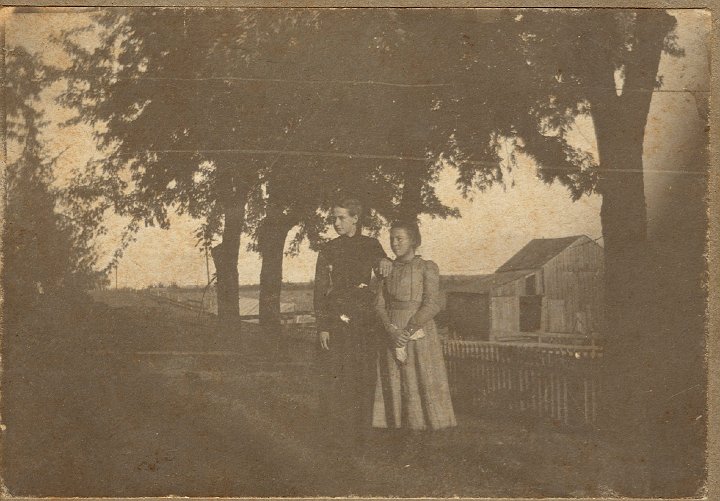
<point x="431" y="298"/>
<point x="320" y="293"/>
<point x="397" y="336"/>
<point x="382" y="265"/>
<point x="379" y="305"/>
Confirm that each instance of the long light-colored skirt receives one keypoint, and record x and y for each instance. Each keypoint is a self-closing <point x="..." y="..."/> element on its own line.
<point x="414" y="394"/>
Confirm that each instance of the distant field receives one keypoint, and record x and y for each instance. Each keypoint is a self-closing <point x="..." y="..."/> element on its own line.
<point x="298" y="294"/>
<point x="301" y="298"/>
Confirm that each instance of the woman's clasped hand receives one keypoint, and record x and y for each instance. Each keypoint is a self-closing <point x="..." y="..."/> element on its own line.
<point x="398" y="336"/>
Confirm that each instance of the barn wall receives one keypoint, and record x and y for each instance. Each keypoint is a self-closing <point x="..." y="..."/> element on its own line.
<point x="505" y="316"/>
<point x="575" y="277"/>
<point x="514" y="288"/>
<point x="554" y="315"/>
<point x="505" y="306"/>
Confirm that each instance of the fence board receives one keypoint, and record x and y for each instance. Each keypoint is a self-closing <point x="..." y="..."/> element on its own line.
<point x="556" y="382"/>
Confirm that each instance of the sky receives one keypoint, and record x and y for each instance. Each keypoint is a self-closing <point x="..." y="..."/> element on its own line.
<point x="494" y="224"/>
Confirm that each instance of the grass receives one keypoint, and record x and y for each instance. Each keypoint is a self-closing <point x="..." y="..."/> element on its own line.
<point x="138" y="399"/>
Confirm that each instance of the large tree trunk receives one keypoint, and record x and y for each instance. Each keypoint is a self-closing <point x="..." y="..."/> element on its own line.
<point x="628" y="308"/>
<point x="271" y="242"/>
<point x="233" y="196"/>
<point x="225" y="256"/>
<point x="624" y="226"/>
<point x="634" y="361"/>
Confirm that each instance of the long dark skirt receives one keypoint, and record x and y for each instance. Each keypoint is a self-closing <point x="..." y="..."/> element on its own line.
<point x="346" y="379"/>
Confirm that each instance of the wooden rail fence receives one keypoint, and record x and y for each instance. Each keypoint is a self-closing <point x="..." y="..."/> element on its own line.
<point x="559" y="383"/>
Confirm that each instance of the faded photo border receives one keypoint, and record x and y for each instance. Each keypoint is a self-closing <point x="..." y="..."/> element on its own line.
<point x="713" y="198"/>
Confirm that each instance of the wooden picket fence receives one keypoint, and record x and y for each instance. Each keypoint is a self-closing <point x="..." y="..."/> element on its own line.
<point x="557" y="383"/>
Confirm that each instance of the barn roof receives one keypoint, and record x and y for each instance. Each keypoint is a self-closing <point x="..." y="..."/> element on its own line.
<point x="537" y="252"/>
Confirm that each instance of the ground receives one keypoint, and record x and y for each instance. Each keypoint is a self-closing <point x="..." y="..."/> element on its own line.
<point x="142" y="398"/>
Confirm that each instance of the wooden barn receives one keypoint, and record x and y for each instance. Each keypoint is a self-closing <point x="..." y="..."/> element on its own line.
<point x="552" y="285"/>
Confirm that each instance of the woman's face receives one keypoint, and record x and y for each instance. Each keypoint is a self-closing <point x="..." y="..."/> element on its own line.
<point x="400" y="242"/>
<point x="343" y="222"/>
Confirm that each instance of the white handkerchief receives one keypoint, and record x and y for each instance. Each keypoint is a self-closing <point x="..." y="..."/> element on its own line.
<point x="401" y="353"/>
<point x="418" y="334"/>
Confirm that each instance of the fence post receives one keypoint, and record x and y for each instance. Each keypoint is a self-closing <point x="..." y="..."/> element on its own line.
<point x="556" y="382"/>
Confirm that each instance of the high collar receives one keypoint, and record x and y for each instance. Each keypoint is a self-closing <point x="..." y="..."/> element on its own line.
<point x="353" y="237"/>
<point x="397" y="262"/>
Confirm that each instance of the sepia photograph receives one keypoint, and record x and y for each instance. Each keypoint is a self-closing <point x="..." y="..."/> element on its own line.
<point x="355" y="252"/>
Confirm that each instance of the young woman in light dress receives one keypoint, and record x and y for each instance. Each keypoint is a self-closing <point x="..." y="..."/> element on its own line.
<point x="412" y="390"/>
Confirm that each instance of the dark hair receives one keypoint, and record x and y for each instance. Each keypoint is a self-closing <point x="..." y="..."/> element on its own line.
<point x="412" y="229"/>
<point x="354" y="208"/>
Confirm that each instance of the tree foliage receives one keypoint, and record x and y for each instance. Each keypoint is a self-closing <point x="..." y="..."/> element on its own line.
<point x="47" y="248"/>
<point x="174" y="93"/>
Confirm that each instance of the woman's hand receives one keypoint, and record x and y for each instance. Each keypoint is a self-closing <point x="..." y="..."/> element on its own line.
<point x="404" y="338"/>
<point x="324" y="340"/>
<point x="399" y="337"/>
<point x="385" y="267"/>
<point x="394" y="334"/>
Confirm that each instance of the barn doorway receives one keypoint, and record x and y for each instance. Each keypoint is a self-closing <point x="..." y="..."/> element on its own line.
<point x="468" y="315"/>
<point x="530" y="313"/>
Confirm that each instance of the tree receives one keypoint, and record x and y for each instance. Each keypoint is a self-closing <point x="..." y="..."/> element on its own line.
<point x="179" y="148"/>
<point x="166" y="92"/>
<point x="604" y="64"/>
<point x="625" y="46"/>
<point x="45" y="252"/>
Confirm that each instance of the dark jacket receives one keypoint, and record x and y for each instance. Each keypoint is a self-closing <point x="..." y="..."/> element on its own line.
<point x="342" y="281"/>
